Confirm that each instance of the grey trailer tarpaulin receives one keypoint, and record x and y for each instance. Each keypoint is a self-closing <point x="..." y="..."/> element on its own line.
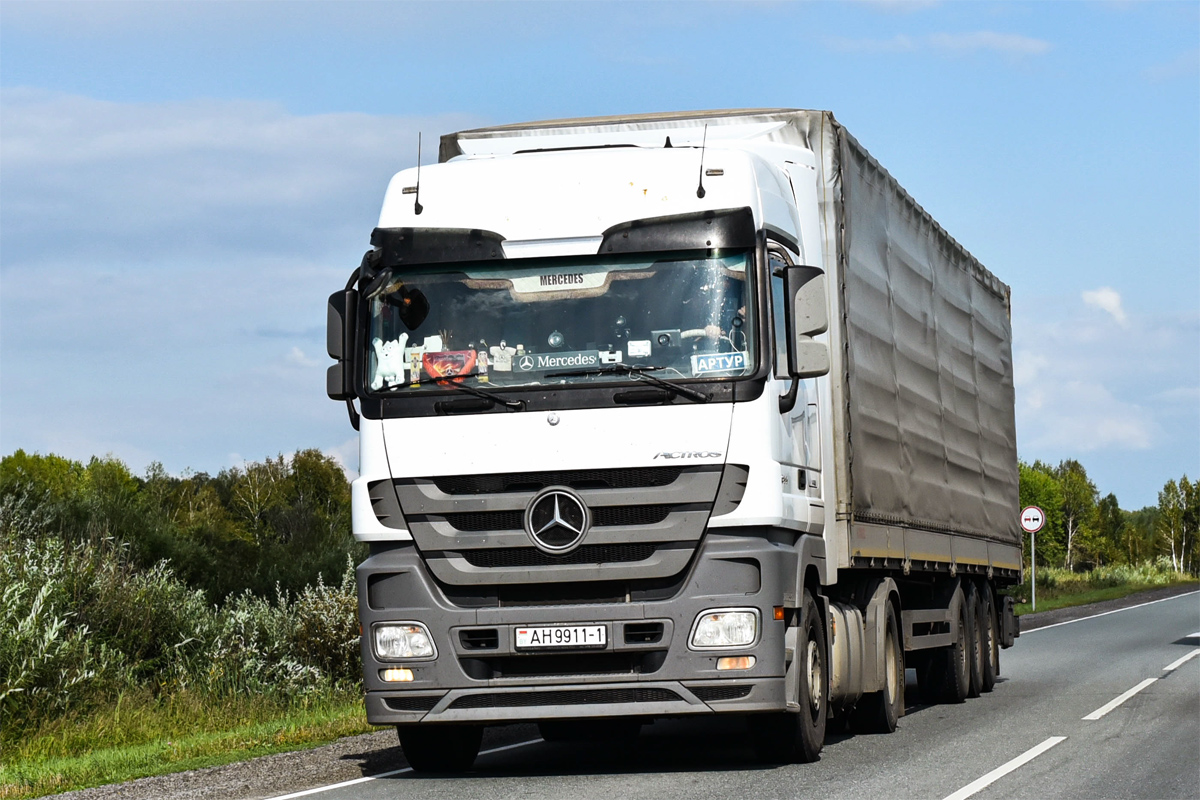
<point x="929" y="374"/>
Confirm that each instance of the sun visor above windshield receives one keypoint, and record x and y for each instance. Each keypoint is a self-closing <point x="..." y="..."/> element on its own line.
<point x="402" y="246"/>
<point x="724" y="229"/>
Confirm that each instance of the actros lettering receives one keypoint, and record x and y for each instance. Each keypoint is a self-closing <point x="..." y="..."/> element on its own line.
<point x="682" y="454"/>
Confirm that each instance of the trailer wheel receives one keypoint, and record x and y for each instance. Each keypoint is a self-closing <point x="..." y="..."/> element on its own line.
<point x="952" y="666"/>
<point x="879" y="712"/>
<point x="440" y="748"/>
<point x="785" y="737"/>
<point x="989" y="630"/>
<point x="974" y="639"/>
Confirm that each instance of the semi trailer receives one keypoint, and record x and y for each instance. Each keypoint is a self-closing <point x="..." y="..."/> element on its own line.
<point x="668" y="415"/>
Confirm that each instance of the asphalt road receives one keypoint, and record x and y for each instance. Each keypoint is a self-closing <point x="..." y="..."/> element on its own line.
<point x="1027" y="739"/>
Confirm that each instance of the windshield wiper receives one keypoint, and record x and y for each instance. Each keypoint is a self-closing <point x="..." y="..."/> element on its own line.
<point x="638" y="371"/>
<point x="513" y="405"/>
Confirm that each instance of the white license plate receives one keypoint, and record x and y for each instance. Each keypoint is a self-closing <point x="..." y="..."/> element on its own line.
<point x="535" y="636"/>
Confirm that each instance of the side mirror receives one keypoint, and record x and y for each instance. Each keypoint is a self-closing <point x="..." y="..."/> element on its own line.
<point x="339" y="342"/>
<point x="805" y="289"/>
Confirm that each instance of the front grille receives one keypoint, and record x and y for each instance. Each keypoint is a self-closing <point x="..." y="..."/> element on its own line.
<point x="629" y="515"/>
<point x="567" y="664"/>
<point x="487" y="521"/>
<point x="566" y="697"/>
<point x="643" y="632"/>
<point x="602" y="517"/>
<point x="575" y="478"/>
<point x="710" y="693"/>
<point x="480" y="639"/>
<point x="403" y="703"/>
<point x="532" y="557"/>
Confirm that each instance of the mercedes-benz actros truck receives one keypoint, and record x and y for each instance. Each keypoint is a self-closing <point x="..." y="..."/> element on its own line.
<point x="669" y="415"/>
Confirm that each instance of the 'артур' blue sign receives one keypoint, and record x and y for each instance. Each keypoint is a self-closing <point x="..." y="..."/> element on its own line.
<point x="718" y="362"/>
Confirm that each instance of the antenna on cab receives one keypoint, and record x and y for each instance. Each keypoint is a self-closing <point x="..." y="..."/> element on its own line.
<point x="417" y="207"/>
<point x="703" y="140"/>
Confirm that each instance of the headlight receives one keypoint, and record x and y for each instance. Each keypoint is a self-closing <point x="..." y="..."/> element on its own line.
<point x="403" y="640"/>
<point x="733" y="627"/>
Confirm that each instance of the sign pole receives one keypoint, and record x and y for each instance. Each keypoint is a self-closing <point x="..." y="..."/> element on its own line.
<point x="1032" y="520"/>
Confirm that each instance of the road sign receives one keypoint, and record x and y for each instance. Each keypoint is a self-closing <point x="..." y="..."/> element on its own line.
<point x="1032" y="519"/>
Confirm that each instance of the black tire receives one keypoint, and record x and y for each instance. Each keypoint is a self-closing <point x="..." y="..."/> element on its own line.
<point x="974" y="639"/>
<point x="786" y="737"/>
<point x="440" y="748"/>
<point x="621" y="729"/>
<point x="879" y="712"/>
<point x="990" y="630"/>
<point x="952" y="664"/>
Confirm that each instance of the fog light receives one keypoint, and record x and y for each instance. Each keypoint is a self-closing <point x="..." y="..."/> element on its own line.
<point x="721" y="628"/>
<point x="735" y="662"/>
<point x="399" y="674"/>
<point x="403" y="640"/>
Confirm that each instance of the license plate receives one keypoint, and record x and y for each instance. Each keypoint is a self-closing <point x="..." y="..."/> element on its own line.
<point x="533" y="637"/>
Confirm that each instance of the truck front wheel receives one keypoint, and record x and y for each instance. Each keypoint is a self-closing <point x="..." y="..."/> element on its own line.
<point x="785" y="737"/>
<point x="440" y="748"/>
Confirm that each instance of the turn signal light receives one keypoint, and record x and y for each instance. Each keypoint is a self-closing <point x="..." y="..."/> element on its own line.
<point x="396" y="674"/>
<point x="778" y="612"/>
<point x="735" y="662"/>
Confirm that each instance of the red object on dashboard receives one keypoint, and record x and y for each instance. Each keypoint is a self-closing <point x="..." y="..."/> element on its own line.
<point x="448" y="363"/>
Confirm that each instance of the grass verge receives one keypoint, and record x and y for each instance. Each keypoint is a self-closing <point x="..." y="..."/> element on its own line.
<point x="140" y="736"/>
<point x="1067" y="599"/>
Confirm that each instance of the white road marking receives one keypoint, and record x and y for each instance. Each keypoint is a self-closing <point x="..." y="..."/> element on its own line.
<point x="1106" y="613"/>
<point x="1176" y="664"/>
<point x="343" y="784"/>
<point x="1004" y="769"/>
<point x="1111" y="704"/>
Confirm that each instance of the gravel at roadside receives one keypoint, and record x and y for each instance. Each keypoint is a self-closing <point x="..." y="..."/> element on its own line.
<point x="270" y="776"/>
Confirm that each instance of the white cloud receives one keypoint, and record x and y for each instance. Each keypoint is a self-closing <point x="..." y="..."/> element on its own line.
<point x="1084" y="416"/>
<point x="346" y="456"/>
<point x="297" y="358"/>
<point x="151" y="183"/>
<point x="1085" y="386"/>
<point x="1107" y="299"/>
<point x="1009" y="44"/>
<point x="1182" y="66"/>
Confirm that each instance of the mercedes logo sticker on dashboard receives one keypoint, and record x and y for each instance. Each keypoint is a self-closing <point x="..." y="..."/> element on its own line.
<point x="556" y="520"/>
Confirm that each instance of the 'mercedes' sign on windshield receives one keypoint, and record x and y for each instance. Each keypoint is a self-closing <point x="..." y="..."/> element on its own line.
<point x="580" y="359"/>
<point x="558" y="280"/>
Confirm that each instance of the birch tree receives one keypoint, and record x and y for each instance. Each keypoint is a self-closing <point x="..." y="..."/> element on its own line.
<point x="1079" y="503"/>
<point x="1170" y="521"/>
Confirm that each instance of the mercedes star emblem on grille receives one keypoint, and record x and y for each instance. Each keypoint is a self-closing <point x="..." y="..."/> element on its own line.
<point x="556" y="520"/>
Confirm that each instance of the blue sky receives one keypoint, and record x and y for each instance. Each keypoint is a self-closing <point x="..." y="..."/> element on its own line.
<point x="183" y="184"/>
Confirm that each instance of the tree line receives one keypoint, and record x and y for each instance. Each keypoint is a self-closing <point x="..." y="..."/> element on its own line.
<point x="280" y="523"/>
<point x="1084" y="530"/>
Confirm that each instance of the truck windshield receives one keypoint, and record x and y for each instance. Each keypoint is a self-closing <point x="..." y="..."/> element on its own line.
<point x="517" y="323"/>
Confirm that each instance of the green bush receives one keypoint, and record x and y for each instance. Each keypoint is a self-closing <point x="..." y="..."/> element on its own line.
<point x="81" y="622"/>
